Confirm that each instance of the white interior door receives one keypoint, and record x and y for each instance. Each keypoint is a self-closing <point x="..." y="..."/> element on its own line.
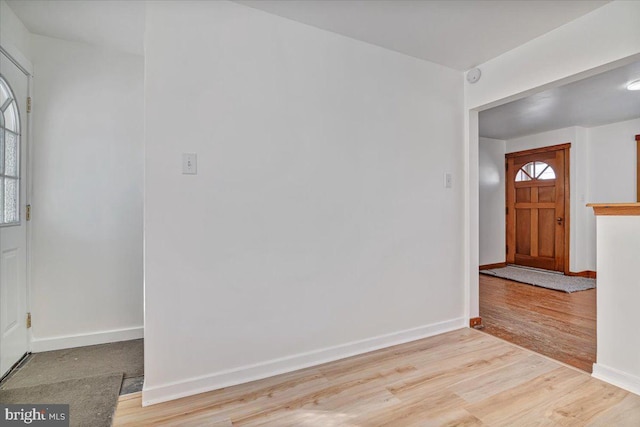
<point x="13" y="229"/>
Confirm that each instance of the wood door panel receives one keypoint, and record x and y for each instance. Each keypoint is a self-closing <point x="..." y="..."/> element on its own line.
<point x="533" y="184"/>
<point x="523" y="195"/>
<point x="546" y="232"/>
<point x="536" y="204"/>
<point x="547" y="194"/>
<point x="523" y="225"/>
<point x="545" y="263"/>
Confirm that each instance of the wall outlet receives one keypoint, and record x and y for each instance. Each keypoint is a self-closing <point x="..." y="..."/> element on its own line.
<point x="189" y="164"/>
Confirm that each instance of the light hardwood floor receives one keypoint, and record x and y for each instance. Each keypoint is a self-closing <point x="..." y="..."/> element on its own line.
<point x="557" y="324"/>
<point x="461" y="378"/>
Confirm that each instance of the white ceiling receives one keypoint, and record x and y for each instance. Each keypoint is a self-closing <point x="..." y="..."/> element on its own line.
<point x="595" y="101"/>
<point x="112" y="24"/>
<point x="458" y="34"/>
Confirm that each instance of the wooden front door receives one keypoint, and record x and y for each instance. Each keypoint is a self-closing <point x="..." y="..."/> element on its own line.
<point x="538" y="208"/>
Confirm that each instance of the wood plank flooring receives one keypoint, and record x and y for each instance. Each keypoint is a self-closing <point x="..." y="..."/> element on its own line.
<point x="557" y="324"/>
<point x="461" y="378"/>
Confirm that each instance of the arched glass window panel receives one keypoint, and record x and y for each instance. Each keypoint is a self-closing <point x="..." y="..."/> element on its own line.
<point x="546" y="173"/>
<point x="11" y="118"/>
<point x="522" y="175"/>
<point x="9" y="156"/>
<point x="535" y="171"/>
<point x="4" y="94"/>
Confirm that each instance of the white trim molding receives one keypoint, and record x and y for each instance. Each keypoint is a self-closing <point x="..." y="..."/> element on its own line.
<point x="80" y="340"/>
<point x="616" y="377"/>
<point x="270" y="368"/>
<point x="14" y="55"/>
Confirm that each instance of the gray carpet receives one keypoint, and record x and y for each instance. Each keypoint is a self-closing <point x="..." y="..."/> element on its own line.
<point x="92" y="400"/>
<point x="60" y="365"/>
<point x="89" y="379"/>
<point x="558" y="282"/>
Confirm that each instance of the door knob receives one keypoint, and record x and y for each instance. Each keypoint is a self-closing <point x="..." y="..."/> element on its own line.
<point x="559" y="219"/>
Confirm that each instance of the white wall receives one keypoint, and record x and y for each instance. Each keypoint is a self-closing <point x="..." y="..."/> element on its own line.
<point x="318" y="225"/>
<point x="618" y="356"/>
<point x="492" y="201"/>
<point x="612" y="162"/>
<point x="87" y="282"/>
<point x="612" y="168"/>
<point x="582" y="250"/>
<point x="14" y="36"/>
<point x="607" y="37"/>
<point x="597" y="39"/>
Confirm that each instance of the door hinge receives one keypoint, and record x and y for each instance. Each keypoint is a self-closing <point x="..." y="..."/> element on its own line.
<point x="28" y="320"/>
<point x="506" y="211"/>
<point x="28" y="212"/>
<point x="28" y="104"/>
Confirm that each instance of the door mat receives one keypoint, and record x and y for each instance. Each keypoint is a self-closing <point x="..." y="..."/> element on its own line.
<point x="79" y="362"/>
<point x="558" y="282"/>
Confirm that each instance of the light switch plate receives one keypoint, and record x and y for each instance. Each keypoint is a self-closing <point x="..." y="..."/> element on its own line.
<point x="447" y="180"/>
<point x="189" y="163"/>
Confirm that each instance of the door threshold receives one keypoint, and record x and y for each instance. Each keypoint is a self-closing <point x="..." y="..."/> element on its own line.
<point x="542" y="270"/>
<point x="15" y="367"/>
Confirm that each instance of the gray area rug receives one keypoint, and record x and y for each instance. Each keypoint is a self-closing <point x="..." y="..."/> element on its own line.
<point x="92" y="400"/>
<point x="558" y="282"/>
<point x="60" y="365"/>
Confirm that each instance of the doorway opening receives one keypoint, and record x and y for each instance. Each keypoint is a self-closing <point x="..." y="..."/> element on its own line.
<point x="523" y="301"/>
<point x="66" y="368"/>
<point x="533" y="216"/>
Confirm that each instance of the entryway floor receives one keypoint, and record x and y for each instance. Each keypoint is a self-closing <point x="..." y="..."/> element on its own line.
<point x="125" y="357"/>
<point x="557" y="324"/>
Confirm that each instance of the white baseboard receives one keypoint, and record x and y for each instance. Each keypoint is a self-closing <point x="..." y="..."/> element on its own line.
<point x="269" y="368"/>
<point x="618" y="378"/>
<point x="80" y="340"/>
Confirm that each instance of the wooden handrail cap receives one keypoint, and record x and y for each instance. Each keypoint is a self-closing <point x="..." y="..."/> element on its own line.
<point x="620" y="209"/>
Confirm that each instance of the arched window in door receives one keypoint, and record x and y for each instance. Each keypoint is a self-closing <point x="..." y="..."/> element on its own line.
<point x="9" y="156"/>
<point x="535" y="171"/>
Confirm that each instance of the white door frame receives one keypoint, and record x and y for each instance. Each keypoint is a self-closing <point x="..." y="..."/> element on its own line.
<point x="471" y="178"/>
